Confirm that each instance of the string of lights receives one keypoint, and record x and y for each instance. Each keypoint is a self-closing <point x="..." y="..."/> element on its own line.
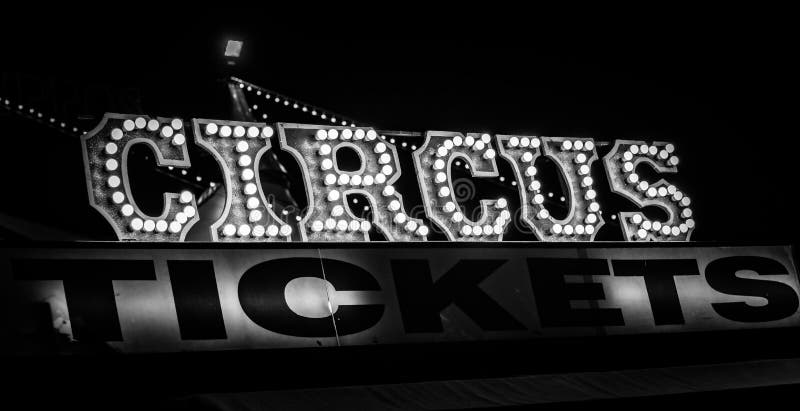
<point x="32" y="113"/>
<point x="282" y="99"/>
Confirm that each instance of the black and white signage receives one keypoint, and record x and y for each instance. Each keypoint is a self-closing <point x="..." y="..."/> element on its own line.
<point x="179" y="297"/>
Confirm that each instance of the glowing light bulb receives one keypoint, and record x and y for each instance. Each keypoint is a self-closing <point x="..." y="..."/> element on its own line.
<point x="149" y="226"/>
<point x="252" y="202"/>
<point x="513" y="142"/>
<point x="161" y="226"/>
<point x="258" y="231"/>
<point x="344" y="179"/>
<point x="245" y="161"/>
<point x="267" y="132"/>
<point x="566" y="145"/>
<point x="457" y="217"/>
<point x="189" y="211"/>
<point x="247" y="174"/>
<point x="112" y="164"/>
<point x="239" y="132"/>
<point x="211" y="129"/>
<point x="243" y="231"/>
<point x="225" y="131"/>
<point x="527" y="157"/>
<point x="250" y="189"/>
<point x="136" y="224"/>
<point x="255" y="216"/>
<point x="181" y="218"/>
<point x="178" y="140"/>
<point x="113" y="181"/>
<point x="272" y="230"/>
<point x="118" y="197"/>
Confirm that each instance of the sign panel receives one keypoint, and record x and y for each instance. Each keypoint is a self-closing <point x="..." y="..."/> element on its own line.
<point x="147" y="297"/>
<point x="248" y="216"/>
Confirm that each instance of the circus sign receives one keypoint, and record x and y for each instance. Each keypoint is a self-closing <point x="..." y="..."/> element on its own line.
<point x="248" y="215"/>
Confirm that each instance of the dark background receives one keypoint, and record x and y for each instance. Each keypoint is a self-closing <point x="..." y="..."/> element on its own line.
<point x="722" y="91"/>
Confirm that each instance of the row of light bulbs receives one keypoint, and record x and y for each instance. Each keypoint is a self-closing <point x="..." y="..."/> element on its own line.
<point x="535" y="186"/>
<point x="480" y="145"/>
<point x="276" y="98"/>
<point x="324" y="150"/>
<point x="34" y="114"/>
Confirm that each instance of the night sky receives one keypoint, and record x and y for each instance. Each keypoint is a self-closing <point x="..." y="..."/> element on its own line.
<point x="724" y="95"/>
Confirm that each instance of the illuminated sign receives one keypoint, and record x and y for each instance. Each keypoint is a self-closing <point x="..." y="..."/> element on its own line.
<point x="248" y="214"/>
<point x="180" y="297"/>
